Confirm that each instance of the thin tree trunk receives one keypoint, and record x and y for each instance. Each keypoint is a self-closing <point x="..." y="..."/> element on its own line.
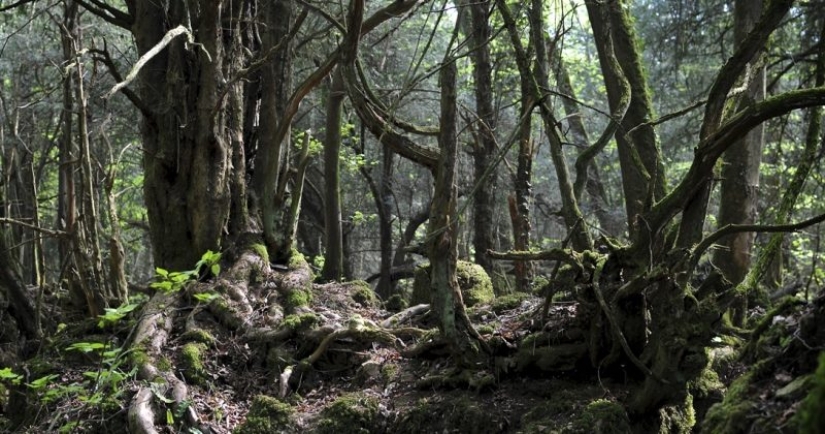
<point x="484" y="199"/>
<point x="334" y="248"/>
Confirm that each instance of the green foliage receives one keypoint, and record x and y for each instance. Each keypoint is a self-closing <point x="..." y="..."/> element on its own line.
<point x="7" y="375"/>
<point x="112" y="316"/>
<point x="174" y="281"/>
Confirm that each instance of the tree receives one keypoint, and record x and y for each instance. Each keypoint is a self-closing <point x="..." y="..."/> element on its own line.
<point x="740" y="168"/>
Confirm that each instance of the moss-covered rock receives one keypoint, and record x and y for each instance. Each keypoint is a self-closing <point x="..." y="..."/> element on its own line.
<point x="260" y="249"/>
<point x="349" y="414"/>
<point x="362" y="293"/>
<point x="602" y="416"/>
<point x="267" y="415"/>
<point x="476" y="286"/>
<point x="296" y="298"/>
<point x="192" y="362"/>
<point x="301" y="321"/>
<point x="396" y="303"/>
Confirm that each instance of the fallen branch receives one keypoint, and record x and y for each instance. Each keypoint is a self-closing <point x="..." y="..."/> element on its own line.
<point x="405" y="315"/>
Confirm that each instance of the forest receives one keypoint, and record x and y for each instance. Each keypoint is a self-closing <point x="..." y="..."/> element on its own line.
<point x="412" y="216"/>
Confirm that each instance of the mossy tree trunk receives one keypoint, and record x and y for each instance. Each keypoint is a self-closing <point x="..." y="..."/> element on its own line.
<point x="739" y="190"/>
<point x="442" y="233"/>
<point x="643" y="175"/>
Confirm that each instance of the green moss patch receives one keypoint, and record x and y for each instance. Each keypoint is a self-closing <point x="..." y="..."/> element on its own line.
<point x="476" y="286"/>
<point x="349" y="414"/>
<point x="602" y="416"/>
<point x="192" y="362"/>
<point x="267" y="415"/>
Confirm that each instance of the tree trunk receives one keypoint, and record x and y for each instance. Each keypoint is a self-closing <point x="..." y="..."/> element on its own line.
<point x="334" y="253"/>
<point x="187" y="152"/>
<point x="485" y="199"/>
<point x="740" y="170"/>
<point x="643" y="174"/>
<point x="442" y="233"/>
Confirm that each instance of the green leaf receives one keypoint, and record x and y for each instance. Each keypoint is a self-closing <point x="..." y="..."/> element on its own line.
<point x="206" y="297"/>
<point x="8" y="375"/>
<point x="42" y="382"/>
<point x="86" y="347"/>
<point x="161" y="272"/>
<point x="215" y="269"/>
<point x="170" y="420"/>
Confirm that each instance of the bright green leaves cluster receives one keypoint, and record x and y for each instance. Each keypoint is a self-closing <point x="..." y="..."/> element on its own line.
<point x="112" y="316"/>
<point x="173" y="281"/>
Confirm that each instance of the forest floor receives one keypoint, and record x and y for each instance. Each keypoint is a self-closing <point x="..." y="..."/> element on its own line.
<point x="373" y="387"/>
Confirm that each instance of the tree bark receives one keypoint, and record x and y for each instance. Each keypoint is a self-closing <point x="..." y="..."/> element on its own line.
<point x="643" y="174"/>
<point x="485" y="199"/>
<point x="334" y="254"/>
<point x="739" y="189"/>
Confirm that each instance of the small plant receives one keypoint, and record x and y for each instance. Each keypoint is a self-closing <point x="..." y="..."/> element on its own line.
<point x="174" y="281"/>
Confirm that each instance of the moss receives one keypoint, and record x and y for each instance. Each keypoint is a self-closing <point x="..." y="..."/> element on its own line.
<point x="192" y="362"/>
<point x="164" y="364"/>
<point x="730" y="415"/>
<point x="349" y="414"/>
<point x="396" y="303"/>
<point x="508" y="302"/>
<point x="260" y="249"/>
<point x="810" y="418"/>
<point x="198" y="335"/>
<point x="476" y="286"/>
<point x="297" y="260"/>
<point x="486" y="329"/>
<point x="267" y="415"/>
<point x="388" y="372"/>
<point x="298" y="298"/>
<point x="706" y="384"/>
<point x="362" y="293"/>
<point x="602" y="416"/>
<point x="678" y="419"/>
<point x="302" y="321"/>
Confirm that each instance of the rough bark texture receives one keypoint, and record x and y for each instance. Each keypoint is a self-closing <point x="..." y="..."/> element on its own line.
<point x="186" y="153"/>
<point x="643" y="177"/>
<point x="485" y="199"/>
<point x="443" y="230"/>
<point x="739" y="191"/>
<point x="334" y="255"/>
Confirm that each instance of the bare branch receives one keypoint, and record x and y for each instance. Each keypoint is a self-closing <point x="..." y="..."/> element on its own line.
<point x="170" y="35"/>
<point x="734" y="228"/>
<point x="50" y="232"/>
